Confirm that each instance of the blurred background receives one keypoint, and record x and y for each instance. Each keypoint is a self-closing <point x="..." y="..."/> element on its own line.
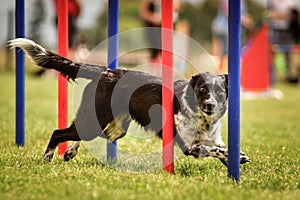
<point x="40" y="16"/>
<point x="89" y="20"/>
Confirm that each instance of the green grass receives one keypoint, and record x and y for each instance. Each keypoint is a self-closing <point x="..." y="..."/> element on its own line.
<point x="269" y="135"/>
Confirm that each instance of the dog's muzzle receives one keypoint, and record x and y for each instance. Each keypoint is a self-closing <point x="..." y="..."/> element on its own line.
<point x="209" y="107"/>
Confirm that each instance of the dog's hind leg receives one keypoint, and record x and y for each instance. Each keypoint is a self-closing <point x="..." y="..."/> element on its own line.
<point x="72" y="151"/>
<point x="59" y="136"/>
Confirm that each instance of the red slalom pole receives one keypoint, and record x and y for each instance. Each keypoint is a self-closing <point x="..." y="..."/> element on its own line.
<point x="63" y="42"/>
<point x="167" y="85"/>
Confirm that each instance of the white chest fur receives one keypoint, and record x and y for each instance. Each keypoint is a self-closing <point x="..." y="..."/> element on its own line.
<point x="198" y="128"/>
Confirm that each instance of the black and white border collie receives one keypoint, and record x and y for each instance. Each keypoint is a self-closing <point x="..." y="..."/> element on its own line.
<point x="114" y="98"/>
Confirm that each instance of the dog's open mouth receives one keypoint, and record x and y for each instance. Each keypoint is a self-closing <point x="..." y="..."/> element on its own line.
<point x="208" y="111"/>
<point x="217" y="110"/>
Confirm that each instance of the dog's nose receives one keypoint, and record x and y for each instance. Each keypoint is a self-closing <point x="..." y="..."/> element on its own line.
<point x="210" y="106"/>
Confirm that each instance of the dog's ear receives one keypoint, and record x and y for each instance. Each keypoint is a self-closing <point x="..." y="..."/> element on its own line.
<point x="225" y="81"/>
<point x="225" y="78"/>
<point x="196" y="79"/>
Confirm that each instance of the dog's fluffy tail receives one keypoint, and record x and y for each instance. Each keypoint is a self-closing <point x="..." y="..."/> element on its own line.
<point x="51" y="60"/>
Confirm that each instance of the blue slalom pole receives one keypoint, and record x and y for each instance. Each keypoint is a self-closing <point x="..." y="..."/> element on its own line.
<point x="234" y="89"/>
<point x="112" y="58"/>
<point x="20" y="74"/>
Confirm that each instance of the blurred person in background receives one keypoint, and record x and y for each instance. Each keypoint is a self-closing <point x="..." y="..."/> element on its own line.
<point x="150" y="12"/>
<point x="74" y="9"/>
<point x="281" y="16"/>
<point x="220" y="32"/>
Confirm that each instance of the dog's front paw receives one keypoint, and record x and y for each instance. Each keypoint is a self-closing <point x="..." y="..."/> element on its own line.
<point x="198" y="151"/>
<point x="244" y="159"/>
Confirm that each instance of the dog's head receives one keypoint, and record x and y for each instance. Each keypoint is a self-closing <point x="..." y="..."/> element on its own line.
<point x="211" y="93"/>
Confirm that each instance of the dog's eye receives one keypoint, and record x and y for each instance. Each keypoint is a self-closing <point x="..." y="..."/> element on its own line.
<point x="219" y="90"/>
<point x="202" y="90"/>
<point x="220" y="94"/>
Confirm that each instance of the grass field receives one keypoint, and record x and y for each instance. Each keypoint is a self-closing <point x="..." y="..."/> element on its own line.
<point x="269" y="136"/>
